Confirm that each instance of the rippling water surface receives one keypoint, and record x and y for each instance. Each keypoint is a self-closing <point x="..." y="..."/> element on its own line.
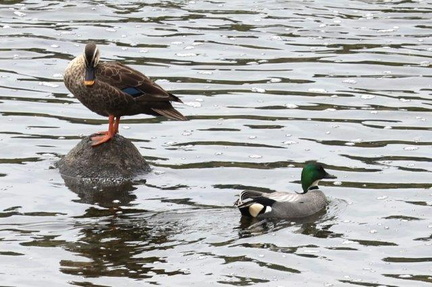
<point x="268" y="85"/>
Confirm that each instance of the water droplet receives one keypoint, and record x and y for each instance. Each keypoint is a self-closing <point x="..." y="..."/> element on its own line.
<point x="337" y="183"/>
<point x="193" y="104"/>
<point x="367" y="97"/>
<point x="275" y="80"/>
<point x="110" y="30"/>
<point x="276" y="38"/>
<point x="205" y="72"/>
<point x="291" y="106"/>
<point x="409" y="148"/>
<point x="57" y="76"/>
<point x="317" y="90"/>
<point x="382" y="197"/>
<point x="349" y="81"/>
<point x="186" y="54"/>
<point x="19" y="14"/>
<point x="386" y="30"/>
<point x="255" y="156"/>
<point x="258" y="90"/>
<point x="48" y="84"/>
<point x="373" y="231"/>
<point x="405" y="276"/>
<point x="289" y="142"/>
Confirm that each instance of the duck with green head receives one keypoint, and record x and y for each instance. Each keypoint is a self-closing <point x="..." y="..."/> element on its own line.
<point x="114" y="90"/>
<point x="285" y="204"/>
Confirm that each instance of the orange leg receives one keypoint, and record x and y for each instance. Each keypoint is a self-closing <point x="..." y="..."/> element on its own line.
<point x="116" y="125"/>
<point x="106" y="136"/>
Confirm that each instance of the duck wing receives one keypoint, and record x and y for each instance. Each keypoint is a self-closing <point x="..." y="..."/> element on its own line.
<point x="132" y="82"/>
<point x="142" y="89"/>
<point x="286" y="197"/>
<point x="254" y="203"/>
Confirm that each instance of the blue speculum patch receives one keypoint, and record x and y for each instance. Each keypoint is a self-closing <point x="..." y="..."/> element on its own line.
<point x="134" y="92"/>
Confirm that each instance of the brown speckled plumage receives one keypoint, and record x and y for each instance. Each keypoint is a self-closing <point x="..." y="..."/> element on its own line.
<point x="116" y="90"/>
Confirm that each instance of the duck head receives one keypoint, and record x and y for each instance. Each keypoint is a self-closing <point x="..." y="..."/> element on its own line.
<point x="91" y="57"/>
<point x="312" y="173"/>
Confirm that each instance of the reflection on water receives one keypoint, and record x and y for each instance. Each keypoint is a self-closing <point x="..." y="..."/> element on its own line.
<point x="268" y="86"/>
<point x="102" y="195"/>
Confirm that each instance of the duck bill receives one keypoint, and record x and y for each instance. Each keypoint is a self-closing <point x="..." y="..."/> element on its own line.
<point x="330" y="176"/>
<point x="89" y="78"/>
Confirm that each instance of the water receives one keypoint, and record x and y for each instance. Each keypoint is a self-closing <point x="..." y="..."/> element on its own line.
<point x="268" y="85"/>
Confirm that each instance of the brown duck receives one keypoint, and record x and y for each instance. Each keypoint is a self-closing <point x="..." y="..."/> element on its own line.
<point x="114" y="90"/>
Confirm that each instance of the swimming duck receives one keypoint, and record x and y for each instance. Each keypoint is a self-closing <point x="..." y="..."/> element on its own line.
<point x="114" y="90"/>
<point x="285" y="204"/>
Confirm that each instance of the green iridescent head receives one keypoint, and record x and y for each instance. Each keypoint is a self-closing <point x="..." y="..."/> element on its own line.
<point x="312" y="173"/>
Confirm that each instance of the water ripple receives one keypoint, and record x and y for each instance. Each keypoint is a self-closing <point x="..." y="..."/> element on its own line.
<point x="267" y="86"/>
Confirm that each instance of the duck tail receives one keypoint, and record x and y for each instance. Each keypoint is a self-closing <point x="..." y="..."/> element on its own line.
<point x="170" y="113"/>
<point x="253" y="203"/>
<point x="174" y="98"/>
<point x="248" y="194"/>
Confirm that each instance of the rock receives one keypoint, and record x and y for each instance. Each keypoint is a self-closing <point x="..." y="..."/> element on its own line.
<point x="110" y="164"/>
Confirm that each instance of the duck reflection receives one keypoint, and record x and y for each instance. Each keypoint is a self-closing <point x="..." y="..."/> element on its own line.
<point x="317" y="225"/>
<point x="250" y="226"/>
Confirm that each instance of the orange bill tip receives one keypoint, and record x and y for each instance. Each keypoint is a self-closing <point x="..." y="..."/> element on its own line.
<point x="89" y="83"/>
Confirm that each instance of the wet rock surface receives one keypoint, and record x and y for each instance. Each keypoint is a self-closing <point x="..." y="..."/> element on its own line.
<point x="111" y="163"/>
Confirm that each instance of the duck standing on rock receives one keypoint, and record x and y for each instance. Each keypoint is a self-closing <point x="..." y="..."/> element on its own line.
<point x="284" y="204"/>
<point x="114" y="90"/>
